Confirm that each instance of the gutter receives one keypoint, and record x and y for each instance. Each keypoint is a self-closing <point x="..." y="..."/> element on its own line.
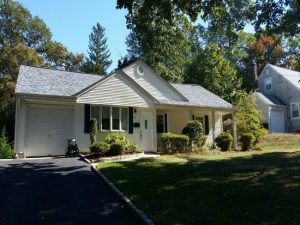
<point x="196" y="107"/>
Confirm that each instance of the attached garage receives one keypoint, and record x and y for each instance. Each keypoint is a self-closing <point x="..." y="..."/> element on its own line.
<point x="48" y="128"/>
<point x="277" y="121"/>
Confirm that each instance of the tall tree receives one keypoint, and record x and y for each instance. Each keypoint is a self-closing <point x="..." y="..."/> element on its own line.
<point x="161" y="43"/>
<point x="98" y="54"/>
<point x="213" y="71"/>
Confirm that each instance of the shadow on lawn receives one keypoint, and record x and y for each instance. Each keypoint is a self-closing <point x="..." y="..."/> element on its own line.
<point x="259" y="189"/>
<point x="55" y="192"/>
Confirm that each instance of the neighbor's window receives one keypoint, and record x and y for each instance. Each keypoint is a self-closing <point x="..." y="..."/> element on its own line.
<point x="160" y="123"/>
<point x="105" y="118"/>
<point x="268" y="84"/>
<point x="295" y="110"/>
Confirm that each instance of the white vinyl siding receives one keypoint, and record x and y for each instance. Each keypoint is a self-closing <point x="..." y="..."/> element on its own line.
<point x="152" y="83"/>
<point x="118" y="91"/>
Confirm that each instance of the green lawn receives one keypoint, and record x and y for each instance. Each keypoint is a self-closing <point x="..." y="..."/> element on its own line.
<point x="259" y="188"/>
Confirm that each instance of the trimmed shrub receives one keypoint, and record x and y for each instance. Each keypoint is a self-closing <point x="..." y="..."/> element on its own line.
<point x="93" y="130"/>
<point x="194" y="130"/>
<point x="132" y="148"/>
<point x="6" y="151"/>
<point x="224" y="141"/>
<point x="174" y="142"/>
<point x="201" y="140"/>
<point x="116" y="148"/>
<point x="247" y="141"/>
<point x="116" y="137"/>
<point x="99" y="148"/>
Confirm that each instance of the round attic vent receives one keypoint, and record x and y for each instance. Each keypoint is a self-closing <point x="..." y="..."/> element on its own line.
<point x="140" y="70"/>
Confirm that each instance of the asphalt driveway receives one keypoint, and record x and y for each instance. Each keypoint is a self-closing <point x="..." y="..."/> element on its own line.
<point x="56" y="191"/>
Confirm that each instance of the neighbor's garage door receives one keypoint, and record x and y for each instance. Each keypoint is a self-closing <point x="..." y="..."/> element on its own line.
<point x="48" y="129"/>
<point x="277" y="121"/>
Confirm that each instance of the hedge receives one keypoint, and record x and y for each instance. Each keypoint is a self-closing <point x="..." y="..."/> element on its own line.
<point x="174" y="142"/>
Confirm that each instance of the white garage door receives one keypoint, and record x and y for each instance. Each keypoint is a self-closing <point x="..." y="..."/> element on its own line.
<point x="48" y="129"/>
<point x="277" y="122"/>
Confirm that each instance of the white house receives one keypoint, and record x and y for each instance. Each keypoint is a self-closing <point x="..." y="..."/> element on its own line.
<point x="278" y="99"/>
<point x="53" y="105"/>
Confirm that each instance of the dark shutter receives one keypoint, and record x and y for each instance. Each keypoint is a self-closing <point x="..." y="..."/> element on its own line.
<point x="193" y="117"/>
<point x="87" y="117"/>
<point x="166" y="122"/>
<point x="130" y="130"/>
<point x="206" y="125"/>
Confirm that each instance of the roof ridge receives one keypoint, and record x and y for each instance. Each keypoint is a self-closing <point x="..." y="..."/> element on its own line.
<point x="61" y="70"/>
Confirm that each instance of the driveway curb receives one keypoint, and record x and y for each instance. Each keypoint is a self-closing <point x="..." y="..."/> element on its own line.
<point x="139" y="213"/>
<point x="84" y="159"/>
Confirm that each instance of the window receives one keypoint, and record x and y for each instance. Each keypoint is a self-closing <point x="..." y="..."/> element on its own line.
<point x="105" y="122"/>
<point x="201" y="120"/>
<point x="295" y="110"/>
<point x="160" y="123"/>
<point x="110" y="118"/>
<point x="268" y="84"/>
<point x="95" y="114"/>
<point x="124" y="118"/>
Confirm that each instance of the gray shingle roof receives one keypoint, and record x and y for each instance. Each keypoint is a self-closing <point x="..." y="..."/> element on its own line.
<point x="40" y="81"/>
<point x="199" y="96"/>
<point x="270" y="99"/>
<point x="291" y="75"/>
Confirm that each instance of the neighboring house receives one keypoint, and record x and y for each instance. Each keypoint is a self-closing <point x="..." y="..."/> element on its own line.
<point x="53" y="105"/>
<point x="278" y="99"/>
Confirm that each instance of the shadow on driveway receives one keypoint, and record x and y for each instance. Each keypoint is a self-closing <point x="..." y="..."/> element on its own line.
<point x="59" y="191"/>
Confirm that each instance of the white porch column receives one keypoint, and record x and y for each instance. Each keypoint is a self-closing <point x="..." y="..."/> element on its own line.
<point x="213" y="126"/>
<point x="235" y="143"/>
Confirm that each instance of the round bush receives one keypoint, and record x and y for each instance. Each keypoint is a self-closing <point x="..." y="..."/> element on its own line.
<point x="224" y="141"/>
<point x="99" y="148"/>
<point x="116" y="148"/>
<point x="132" y="148"/>
<point x="247" y="140"/>
<point x="194" y="130"/>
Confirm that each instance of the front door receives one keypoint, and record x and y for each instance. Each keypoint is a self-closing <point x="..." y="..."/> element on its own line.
<point x="146" y="125"/>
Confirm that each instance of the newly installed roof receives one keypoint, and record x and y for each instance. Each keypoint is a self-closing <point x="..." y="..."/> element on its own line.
<point x="49" y="82"/>
<point x="270" y="99"/>
<point x="291" y="75"/>
<point x="40" y="81"/>
<point x="199" y="96"/>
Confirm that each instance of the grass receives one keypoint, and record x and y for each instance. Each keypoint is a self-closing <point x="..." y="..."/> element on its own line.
<point x="261" y="188"/>
<point x="281" y="142"/>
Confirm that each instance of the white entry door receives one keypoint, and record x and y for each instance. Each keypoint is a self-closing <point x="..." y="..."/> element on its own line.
<point x="48" y="129"/>
<point x="146" y="125"/>
<point x="277" y="121"/>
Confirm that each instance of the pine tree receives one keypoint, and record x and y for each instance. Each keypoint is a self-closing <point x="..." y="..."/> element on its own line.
<point x="98" y="53"/>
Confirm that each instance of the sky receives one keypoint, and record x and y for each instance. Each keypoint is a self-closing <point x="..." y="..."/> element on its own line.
<point x="71" y="21"/>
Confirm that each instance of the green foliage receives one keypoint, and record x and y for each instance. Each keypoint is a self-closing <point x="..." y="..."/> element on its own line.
<point x="224" y="141"/>
<point x="194" y="130"/>
<point x="116" y="148"/>
<point x="100" y="148"/>
<point x="6" y="151"/>
<point x="201" y="140"/>
<point x="115" y="137"/>
<point x="162" y="44"/>
<point x="247" y="140"/>
<point x="174" y="142"/>
<point x="132" y="148"/>
<point x="249" y="118"/>
<point x="213" y="71"/>
<point x="93" y="130"/>
<point x="98" y="54"/>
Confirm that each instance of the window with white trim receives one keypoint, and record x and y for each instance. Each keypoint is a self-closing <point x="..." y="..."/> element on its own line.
<point x="295" y="110"/>
<point x="110" y="118"/>
<point x="201" y="120"/>
<point x="268" y="84"/>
